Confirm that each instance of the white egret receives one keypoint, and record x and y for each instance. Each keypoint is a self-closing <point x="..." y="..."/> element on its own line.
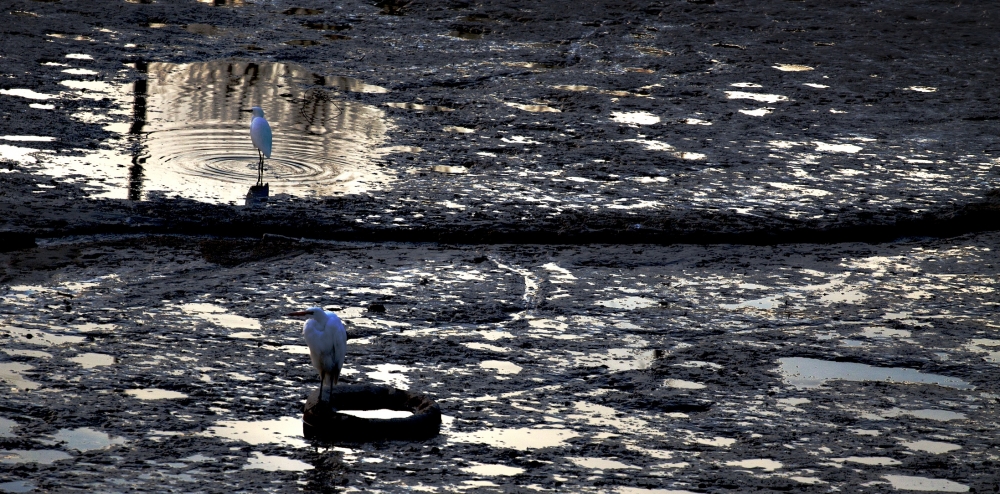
<point x="260" y="135"/>
<point x="327" y="340"/>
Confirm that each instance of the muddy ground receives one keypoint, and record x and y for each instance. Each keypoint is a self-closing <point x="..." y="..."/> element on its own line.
<point x="630" y="247"/>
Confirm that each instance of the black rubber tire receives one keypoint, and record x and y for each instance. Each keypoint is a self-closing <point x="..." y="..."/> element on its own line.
<point x="323" y="423"/>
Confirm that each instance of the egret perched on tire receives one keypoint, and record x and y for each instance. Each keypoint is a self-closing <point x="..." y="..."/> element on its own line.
<point x="327" y="340"/>
<point x="260" y="135"/>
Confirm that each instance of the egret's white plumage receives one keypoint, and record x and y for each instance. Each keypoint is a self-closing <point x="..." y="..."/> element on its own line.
<point x="260" y="132"/>
<point x="260" y="135"/>
<point x="327" y="340"/>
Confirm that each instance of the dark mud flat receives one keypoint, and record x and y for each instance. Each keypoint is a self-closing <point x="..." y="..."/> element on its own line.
<point x="507" y="121"/>
<point x="157" y="363"/>
<point x="644" y="247"/>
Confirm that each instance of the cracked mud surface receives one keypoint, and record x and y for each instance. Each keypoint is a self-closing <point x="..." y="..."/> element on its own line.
<point x="625" y="309"/>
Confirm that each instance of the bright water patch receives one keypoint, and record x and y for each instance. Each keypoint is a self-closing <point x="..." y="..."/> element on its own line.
<point x="500" y="366"/>
<point x="635" y="118"/>
<point x="629" y="303"/>
<point x="276" y="463"/>
<point x="220" y="316"/>
<point x="189" y="134"/>
<point x="521" y="438"/>
<point x="285" y="430"/>
<point x="869" y="460"/>
<point x="391" y="374"/>
<point x="761" y="463"/>
<point x="934" y="447"/>
<point x="380" y="414"/>
<point x="86" y="439"/>
<point x="17" y="486"/>
<point x="91" y="360"/>
<point x="640" y="490"/>
<point x="155" y="394"/>
<point x="492" y="470"/>
<point x="11" y="373"/>
<point x="908" y="483"/>
<point x="41" y="456"/>
<point x="599" y="463"/>
<point x="811" y="373"/>
<point x="7" y="427"/>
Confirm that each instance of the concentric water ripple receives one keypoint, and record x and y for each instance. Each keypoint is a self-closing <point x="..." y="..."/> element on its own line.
<point x="197" y="140"/>
<point x="189" y="134"/>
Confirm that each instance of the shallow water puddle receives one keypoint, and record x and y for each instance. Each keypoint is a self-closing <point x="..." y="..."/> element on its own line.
<point x="869" y="460"/>
<point x="635" y="118"/>
<point x="27" y="93"/>
<point x="418" y="107"/>
<point x="91" y="360"/>
<point x="760" y="97"/>
<point x="380" y="414"/>
<point x="500" y="366"/>
<point x="42" y="456"/>
<point x="765" y="303"/>
<point x="155" y="394"/>
<point x="682" y="384"/>
<point x="218" y="315"/>
<point x="86" y="439"/>
<point x="190" y="133"/>
<point x="38" y="337"/>
<point x="28" y="138"/>
<point x="534" y="108"/>
<point x="17" y="486"/>
<point x="629" y="303"/>
<point x="811" y="373"/>
<point x="640" y="490"/>
<point x="486" y="346"/>
<point x="935" y="447"/>
<point x="489" y="470"/>
<point x="926" y="413"/>
<point x="10" y="372"/>
<point x="285" y="430"/>
<point x="619" y="359"/>
<point x="391" y="374"/>
<point x="611" y="420"/>
<point x="520" y="438"/>
<point x="905" y="482"/>
<point x="276" y="463"/>
<point x="787" y="67"/>
<point x="988" y="346"/>
<point x="600" y="463"/>
<point x="16" y="352"/>
<point x="761" y="463"/>
<point x="759" y="112"/>
<point x="7" y="427"/>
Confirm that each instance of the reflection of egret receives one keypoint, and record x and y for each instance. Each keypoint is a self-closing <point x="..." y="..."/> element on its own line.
<point x="327" y="340"/>
<point x="260" y="135"/>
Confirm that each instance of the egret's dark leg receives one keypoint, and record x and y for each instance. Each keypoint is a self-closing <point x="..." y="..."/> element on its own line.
<point x="260" y="168"/>
<point x="322" y="381"/>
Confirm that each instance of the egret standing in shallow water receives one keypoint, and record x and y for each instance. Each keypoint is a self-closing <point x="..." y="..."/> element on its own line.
<point x="260" y="135"/>
<point x="327" y="340"/>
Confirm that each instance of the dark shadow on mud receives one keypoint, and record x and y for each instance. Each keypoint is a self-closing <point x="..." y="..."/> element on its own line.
<point x="337" y="219"/>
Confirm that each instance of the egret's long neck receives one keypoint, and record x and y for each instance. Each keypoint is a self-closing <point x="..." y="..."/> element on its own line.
<point x="320" y="317"/>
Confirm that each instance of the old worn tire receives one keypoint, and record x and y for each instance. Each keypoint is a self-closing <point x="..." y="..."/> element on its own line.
<point x="322" y="423"/>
